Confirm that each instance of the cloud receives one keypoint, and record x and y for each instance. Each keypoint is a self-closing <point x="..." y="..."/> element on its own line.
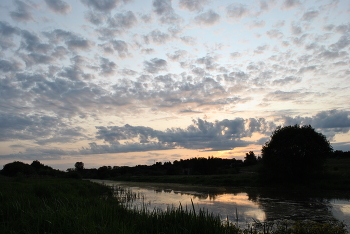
<point x="203" y="135"/>
<point x="41" y="128"/>
<point x="193" y="5"/>
<point x="208" y="61"/>
<point x="102" y="5"/>
<point x="237" y="11"/>
<point x="7" y="30"/>
<point x="279" y="24"/>
<point x="286" y="96"/>
<point x="296" y="29"/>
<point x="36" y="58"/>
<point x="95" y="18"/>
<point x="58" y="6"/>
<point x="257" y="24"/>
<point x="79" y="44"/>
<point x="121" y="47"/>
<point x="124" y="20"/>
<point x="162" y="7"/>
<point x="343" y="42"/>
<point x="32" y="43"/>
<point x="22" y="13"/>
<point x="287" y="81"/>
<point x="274" y="34"/>
<point x="107" y="67"/>
<point x="288" y="4"/>
<point x="328" y="122"/>
<point x="165" y="11"/>
<point x="159" y="37"/>
<point x="310" y="15"/>
<point x="9" y="66"/>
<point x="208" y="18"/>
<point x="155" y="65"/>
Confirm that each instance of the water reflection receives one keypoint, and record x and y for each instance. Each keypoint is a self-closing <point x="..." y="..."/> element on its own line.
<point x="245" y="205"/>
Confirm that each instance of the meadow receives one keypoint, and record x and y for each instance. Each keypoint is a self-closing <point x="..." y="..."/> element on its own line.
<point x="56" y="205"/>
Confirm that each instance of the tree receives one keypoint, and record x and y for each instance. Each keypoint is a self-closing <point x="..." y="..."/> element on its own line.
<point x="79" y="166"/>
<point x="295" y="152"/>
<point x="250" y="158"/>
<point x="15" y="168"/>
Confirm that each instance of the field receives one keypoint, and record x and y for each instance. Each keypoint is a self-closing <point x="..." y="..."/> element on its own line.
<point x="79" y="206"/>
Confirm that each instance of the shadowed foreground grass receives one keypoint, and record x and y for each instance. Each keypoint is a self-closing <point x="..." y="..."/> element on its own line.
<point x="76" y="206"/>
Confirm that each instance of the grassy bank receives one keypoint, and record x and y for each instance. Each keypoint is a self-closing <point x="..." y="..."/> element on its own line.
<point x="336" y="177"/>
<point x="76" y="206"/>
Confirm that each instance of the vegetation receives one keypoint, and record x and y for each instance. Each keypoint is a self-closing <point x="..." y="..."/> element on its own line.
<point x="78" y="206"/>
<point x="295" y="153"/>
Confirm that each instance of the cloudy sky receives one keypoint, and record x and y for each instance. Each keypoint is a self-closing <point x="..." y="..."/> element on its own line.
<point x="127" y="82"/>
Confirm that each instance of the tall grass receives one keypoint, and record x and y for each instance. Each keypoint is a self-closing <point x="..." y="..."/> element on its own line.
<point x="76" y="206"/>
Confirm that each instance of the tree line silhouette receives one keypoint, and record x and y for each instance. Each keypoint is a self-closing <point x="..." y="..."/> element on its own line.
<point x="192" y="166"/>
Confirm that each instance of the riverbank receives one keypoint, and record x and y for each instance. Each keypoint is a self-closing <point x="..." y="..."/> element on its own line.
<point x="79" y="206"/>
<point x="336" y="177"/>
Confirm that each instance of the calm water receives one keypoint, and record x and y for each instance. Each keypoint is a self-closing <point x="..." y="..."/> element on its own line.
<point x="247" y="203"/>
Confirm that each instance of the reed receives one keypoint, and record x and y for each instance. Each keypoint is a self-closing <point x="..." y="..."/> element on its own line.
<point x="76" y="206"/>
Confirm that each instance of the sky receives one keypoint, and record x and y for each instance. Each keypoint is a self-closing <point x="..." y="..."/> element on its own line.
<point x="133" y="82"/>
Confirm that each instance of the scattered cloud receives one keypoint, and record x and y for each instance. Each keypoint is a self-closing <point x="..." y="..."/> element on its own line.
<point x="237" y="11"/>
<point x="58" y="6"/>
<point x="208" y="18"/>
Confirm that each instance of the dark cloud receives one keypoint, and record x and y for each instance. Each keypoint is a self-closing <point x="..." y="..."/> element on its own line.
<point x="121" y="47"/>
<point x="193" y="5"/>
<point x="208" y="61"/>
<point x="208" y="18"/>
<point x="165" y="11"/>
<point x="288" y="4"/>
<point x="237" y="11"/>
<point x="102" y="5"/>
<point x="159" y="37"/>
<point x="22" y="12"/>
<point x="79" y="44"/>
<point x="36" y="58"/>
<point x="310" y="15"/>
<point x="29" y="127"/>
<point x="60" y="52"/>
<point x="107" y="67"/>
<point x="32" y="43"/>
<point x="7" y="30"/>
<point x="9" y="66"/>
<point x="328" y="122"/>
<point x="343" y="42"/>
<point x="95" y="17"/>
<point x="162" y="7"/>
<point x="204" y="135"/>
<point x="155" y="65"/>
<point x="124" y="20"/>
<point x="58" y="6"/>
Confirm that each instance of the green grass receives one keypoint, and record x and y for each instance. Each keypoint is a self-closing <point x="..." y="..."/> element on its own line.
<point x="77" y="206"/>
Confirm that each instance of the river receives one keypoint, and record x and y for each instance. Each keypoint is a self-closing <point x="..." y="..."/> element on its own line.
<point x="243" y="205"/>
